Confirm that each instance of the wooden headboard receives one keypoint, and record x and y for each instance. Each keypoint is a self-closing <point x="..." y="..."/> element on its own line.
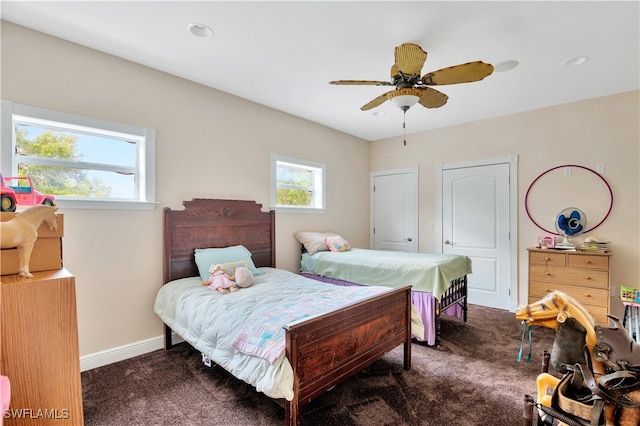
<point x="207" y="223"/>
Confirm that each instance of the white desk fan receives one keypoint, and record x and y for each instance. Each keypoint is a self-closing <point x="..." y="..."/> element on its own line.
<point x="569" y="223"/>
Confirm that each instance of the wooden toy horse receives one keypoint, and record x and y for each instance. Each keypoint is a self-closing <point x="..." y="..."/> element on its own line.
<point x="553" y="310"/>
<point x="22" y="232"/>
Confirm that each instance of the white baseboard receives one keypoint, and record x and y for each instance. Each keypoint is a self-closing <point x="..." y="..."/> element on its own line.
<point x="120" y="353"/>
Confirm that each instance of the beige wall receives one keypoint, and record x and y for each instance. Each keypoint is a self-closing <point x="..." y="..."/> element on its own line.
<point x="603" y="130"/>
<point x="209" y="145"/>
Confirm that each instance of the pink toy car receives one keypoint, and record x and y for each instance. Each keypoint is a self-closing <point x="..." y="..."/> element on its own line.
<point x="8" y="201"/>
<point x="25" y="193"/>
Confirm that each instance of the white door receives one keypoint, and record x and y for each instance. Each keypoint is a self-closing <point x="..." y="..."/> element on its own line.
<point x="476" y="223"/>
<point x="394" y="210"/>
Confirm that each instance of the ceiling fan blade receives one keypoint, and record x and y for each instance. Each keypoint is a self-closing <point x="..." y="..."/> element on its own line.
<point x="375" y="102"/>
<point x="361" y="82"/>
<point x="463" y="73"/>
<point x="409" y="59"/>
<point x="431" y="98"/>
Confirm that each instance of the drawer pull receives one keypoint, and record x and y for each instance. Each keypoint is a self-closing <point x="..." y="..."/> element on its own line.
<point x="587" y="277"/>
<point x="547" y="259"/>
<point x="587" y="295"/>
<point x="587" y="261"/>
<point x="547" y="274"/>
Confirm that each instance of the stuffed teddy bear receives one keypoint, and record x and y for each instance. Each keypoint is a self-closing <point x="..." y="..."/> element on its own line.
<point x="221" y="281"/>
<point x="243" y="277"/>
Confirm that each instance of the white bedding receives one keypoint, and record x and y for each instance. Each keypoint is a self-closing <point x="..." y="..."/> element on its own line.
<point x="210" y="321"/>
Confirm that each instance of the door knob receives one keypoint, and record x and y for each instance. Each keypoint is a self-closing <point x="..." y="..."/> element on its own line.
<point x="448" y="242"/>
<point x="409" y="239"/>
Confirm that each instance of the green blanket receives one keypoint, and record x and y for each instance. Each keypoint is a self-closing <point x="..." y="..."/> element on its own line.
<point x="427" y="272"/>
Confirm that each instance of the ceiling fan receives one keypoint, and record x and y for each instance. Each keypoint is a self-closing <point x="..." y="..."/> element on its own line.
<point x="411" y="88"/>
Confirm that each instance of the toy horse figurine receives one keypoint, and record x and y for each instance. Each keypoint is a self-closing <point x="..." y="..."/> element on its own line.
<point x="22" y="232"/>
<point x="554" y="310"/>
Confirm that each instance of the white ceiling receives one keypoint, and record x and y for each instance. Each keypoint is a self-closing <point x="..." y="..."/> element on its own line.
<point x="283" y="54"/>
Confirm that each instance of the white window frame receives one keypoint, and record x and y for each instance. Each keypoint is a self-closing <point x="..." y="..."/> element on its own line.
<point x="319" y="186"/>
<point x="145" y="168"/>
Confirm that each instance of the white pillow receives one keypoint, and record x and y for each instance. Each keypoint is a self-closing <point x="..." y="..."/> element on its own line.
<point x="313" y="241"/>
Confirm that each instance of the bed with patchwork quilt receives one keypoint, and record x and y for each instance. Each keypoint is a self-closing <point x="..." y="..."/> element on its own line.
<point x="290" y="337"/>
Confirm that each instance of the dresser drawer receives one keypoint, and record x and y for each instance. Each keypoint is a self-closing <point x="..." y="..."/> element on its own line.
<point x="584" y="295"/>
<point x="588" y="262"/>
<point x="599" y="313"/>
<point x="547" y="258"/>
<point x="572" y="276"/>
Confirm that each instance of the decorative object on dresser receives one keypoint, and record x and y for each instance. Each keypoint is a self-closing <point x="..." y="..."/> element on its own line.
<point x="594" y="244"/>
<point x="20" y="231"/>
<point x="39" y="349"/>
<point x="582" y="275"/>
<point x="570" y="222"/>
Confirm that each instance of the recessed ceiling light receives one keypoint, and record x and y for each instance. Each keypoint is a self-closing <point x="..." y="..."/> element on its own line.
<point x="506" y="65"/>
<point x="200" y="30"/>
<point x="574" y="62"/>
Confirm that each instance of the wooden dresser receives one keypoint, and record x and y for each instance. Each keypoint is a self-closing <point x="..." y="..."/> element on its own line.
<point x="582" y="275"/>
<point x="39" y="348"/>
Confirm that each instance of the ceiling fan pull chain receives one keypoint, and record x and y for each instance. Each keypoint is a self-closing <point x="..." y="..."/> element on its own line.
<point x="404" y="126"/>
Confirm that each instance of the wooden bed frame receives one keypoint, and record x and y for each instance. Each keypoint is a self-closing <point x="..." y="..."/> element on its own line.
<point x="322" y="351"/>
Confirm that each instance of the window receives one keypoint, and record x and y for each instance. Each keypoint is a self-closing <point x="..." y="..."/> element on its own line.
<point x="297" y="185"/>
<point x="84" y="162"/>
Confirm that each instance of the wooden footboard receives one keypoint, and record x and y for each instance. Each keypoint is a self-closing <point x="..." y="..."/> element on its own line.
<point x="456" y="294"/>
<point x="327" y="349"/>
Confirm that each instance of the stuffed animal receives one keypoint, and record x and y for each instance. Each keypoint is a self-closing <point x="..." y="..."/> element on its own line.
<point x="243" y="277"/>
<point x="221" y="281"/>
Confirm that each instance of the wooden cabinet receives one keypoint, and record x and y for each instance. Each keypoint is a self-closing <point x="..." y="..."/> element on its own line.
<point x="39" y="349"/>
<point x="582" y="275"/>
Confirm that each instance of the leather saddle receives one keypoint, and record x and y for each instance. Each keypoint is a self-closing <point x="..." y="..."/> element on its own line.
<point x="615" y="347"/>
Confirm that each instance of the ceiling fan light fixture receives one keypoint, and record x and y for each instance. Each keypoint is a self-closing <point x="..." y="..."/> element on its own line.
<point x="404" y="102"/>
<point x="404" y="98"/>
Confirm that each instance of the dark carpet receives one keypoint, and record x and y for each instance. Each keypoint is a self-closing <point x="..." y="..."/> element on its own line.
<point x="473" y="378"/>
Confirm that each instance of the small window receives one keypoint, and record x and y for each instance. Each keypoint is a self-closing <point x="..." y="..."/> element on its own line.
<point x="83" y="162"/>
<point x="297" y="185"/>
